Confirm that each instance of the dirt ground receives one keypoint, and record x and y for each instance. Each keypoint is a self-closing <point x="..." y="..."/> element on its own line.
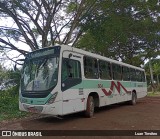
<point x="145" y="115"/>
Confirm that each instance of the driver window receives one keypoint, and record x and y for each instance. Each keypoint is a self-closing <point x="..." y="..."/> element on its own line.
<point x="70" y="69"/>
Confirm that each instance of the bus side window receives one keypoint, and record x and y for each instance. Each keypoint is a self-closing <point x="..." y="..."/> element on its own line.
<point x="133" y="74"/>
<point x="117" y="72"/>
<point x="125" y="73"/>
<point x="90" y="67"/>
<point x="105" y="70"/>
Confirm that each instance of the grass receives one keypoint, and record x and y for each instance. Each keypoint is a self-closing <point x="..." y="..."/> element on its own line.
<point x="152" y="94"/>
<point x="9" y="108"/>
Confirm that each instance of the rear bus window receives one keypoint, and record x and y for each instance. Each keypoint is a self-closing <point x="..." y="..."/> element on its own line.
<point x="143" y="76"/>
<point x="139" y="75"/>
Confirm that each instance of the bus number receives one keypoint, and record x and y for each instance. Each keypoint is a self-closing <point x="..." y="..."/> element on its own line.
<point x="100" y="85"/>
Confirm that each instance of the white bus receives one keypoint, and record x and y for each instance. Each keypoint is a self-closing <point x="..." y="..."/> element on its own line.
<point x="61" y="80"/>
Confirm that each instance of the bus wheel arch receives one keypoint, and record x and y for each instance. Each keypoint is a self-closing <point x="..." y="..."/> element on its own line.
<point x="133" y="100"/>
<point x="92" y="102"/>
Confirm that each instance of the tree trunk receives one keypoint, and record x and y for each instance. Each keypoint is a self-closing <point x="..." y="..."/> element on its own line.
<point x="158" y="80"/>
<point x="151" y="73"/>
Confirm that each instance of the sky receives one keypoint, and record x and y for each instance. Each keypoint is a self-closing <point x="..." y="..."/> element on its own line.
<point x="11" y="54"/>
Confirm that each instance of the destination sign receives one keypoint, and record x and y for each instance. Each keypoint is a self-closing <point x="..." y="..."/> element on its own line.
<point x="44" y="52"/>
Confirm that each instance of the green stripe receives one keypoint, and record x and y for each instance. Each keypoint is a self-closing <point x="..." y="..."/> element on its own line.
<point x="35" y="101"/>
<point x="86" y="84"/>
<point x="93" y="84"/>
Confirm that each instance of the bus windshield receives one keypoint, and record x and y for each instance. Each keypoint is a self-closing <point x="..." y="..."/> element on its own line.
<point x="40" y="74"/>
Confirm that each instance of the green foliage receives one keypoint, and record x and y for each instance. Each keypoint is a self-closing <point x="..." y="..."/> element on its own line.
<point x="9" y="104"/>
<point x="72" y="7"/>
<point x="150" y="94"/>
<point x="155" y="65"/>
<point x="156" y="68"/>
<point x="10" y="33"/>
<point x="153" y="94"/>
<point x="125" y="30"/>
<point x="9" y="78"/>
<point x="9" y="94"/>
<point x="158" y="88"/>
<point x="9" y="91"/>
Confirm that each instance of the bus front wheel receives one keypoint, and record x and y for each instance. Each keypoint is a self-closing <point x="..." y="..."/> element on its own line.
<point x="90" y="107"/>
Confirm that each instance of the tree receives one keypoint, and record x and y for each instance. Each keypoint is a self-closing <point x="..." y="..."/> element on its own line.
<point x="156" y="70"/>
<point x="155" y="64"/>
<point x="119" y="29"/>
<point x="41" y="23"/>
<point x="1" y="75"/>
<point x="123" y="30"/>
<point x="9" y="78"/>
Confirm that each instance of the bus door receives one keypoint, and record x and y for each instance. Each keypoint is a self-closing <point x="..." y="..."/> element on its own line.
<point x="71" y="83"/>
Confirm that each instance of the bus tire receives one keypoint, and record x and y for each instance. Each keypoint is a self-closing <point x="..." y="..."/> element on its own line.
<point x="90" y="107"/>
<point x="134" y="99"/>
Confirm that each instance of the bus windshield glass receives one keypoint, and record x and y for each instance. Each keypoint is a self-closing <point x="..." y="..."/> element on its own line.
<point x="40" y="73"/>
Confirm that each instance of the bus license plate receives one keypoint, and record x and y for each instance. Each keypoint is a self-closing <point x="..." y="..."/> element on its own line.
<point x="32" y="109"/>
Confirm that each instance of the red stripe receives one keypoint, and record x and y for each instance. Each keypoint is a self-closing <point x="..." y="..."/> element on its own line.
<point x="113" y="85"/>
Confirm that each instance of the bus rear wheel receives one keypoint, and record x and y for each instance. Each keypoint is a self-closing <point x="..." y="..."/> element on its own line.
<point x="90" y="107"/>
<point x="134" y="99"/>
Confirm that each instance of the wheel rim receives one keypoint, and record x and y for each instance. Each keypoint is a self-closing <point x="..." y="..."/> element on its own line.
<point x="134" y="99"/>
<point x="91" y="107"/>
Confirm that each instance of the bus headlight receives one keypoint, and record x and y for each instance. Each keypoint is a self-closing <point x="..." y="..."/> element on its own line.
<point x="52" y="98"/>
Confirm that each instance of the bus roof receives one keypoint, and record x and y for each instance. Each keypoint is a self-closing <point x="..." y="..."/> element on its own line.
<point x="90" y="54"/>
<point x="86" y="53"/>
